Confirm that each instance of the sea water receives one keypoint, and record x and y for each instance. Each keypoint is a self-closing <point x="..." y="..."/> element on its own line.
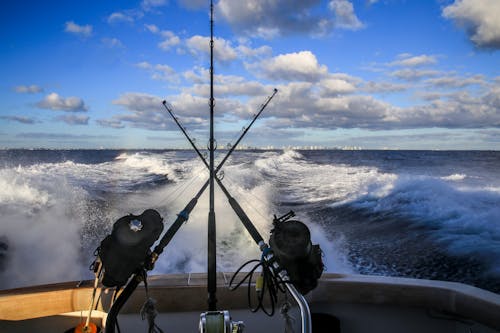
<point x="421" y="214"/>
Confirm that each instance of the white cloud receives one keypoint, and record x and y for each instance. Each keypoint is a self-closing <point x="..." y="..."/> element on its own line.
<point x="456" y="81"/>
<point x="169" y="38"/>
<point x="164" y="72"/>
<point x="113" y="123"/>
<point x="139" y="101"/>
<point x="336" y="86"/>
<point x="19" y="119"/>
<point x="81" y="30"/>
<point x="302" y="66"/>
<point x="407" y="60"/>
<point x="345" y="17"/>
<point x="120" y="17"/>
<point x="249" y="52"/>
<point x="480" y="18"/>
<point x="224" y="85"/>
<point x="55" y="102"/>
<point x="223" y="50"/>
<point x="152" y="28"/>
<point x="159" y="71"/>
<point x="303" y="105"/>
<point x="146" y="111"/>
<point x="273" y="18"/>
<point x="71" y="119"/>
<point x="382" y="87"/>
<point x="413" y="74"/>
<point x="32" y="89"/>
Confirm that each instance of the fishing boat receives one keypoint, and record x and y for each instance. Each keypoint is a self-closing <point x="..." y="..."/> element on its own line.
<point x="285" y="290"/>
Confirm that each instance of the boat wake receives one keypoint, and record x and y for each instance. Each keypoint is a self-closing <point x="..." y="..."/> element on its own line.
<point x="374" y="214"/>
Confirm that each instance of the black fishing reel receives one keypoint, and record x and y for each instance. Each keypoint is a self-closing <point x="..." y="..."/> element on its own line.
<point x="126" y="249"/>
<point x="290" y="241"/>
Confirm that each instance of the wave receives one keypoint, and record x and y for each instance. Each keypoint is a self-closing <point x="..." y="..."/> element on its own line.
<point x="455" y="176"/>
<point x="69" y="206"/>
<point x="465" y="221"/>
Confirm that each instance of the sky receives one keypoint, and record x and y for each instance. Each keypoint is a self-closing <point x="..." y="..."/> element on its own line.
<point x="375" y="74"/>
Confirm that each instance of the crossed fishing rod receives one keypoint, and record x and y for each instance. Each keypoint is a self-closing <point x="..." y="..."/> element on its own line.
<point x="183" y="216"/>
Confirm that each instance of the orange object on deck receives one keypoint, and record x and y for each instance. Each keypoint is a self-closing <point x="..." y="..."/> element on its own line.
<point x="81" y="328"/>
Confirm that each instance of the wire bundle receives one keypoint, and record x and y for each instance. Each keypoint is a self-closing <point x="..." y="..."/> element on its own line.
<point x="266" y="282"/>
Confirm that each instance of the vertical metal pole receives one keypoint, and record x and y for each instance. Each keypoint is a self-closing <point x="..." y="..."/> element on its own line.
<point x="212" y="250"/>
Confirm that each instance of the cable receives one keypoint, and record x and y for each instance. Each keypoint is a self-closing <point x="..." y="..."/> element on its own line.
<point x="267" y="281"/>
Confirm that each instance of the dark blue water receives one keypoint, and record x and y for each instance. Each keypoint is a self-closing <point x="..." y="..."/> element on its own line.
<point x="423" y="214"/>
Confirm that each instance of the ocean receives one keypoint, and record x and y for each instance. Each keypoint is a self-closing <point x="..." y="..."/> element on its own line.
<point x="421" y="214"/>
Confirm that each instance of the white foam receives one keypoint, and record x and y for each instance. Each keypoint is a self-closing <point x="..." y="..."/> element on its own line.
<point x="455" y="177"/>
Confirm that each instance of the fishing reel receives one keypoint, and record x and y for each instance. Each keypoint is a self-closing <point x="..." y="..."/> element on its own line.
<point x="125" y="250"/>
<point x="219" y="322"/>
<point x="291" y="243"/>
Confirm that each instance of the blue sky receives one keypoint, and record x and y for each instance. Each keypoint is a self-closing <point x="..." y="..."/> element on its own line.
<point x="414" y="74"/>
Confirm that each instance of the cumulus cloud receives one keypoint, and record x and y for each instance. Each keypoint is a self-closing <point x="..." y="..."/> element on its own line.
<point x="224" y="85"/>
<point x="19" y="119"/>
<point x="301" y="66"/>
<point x="345" y="17"/>
<point x="223" y="50"/>
<point x="249" y="52"/>
<point x="273" y="18"/>
<point x="170" y="39"/>
<point x="80" y="30"/>
<point x="302" y="105"/>
<point x="480" y="20"/>
<point x="159" y="71"/>
<point x="32" y="89"/>
<point x="71" y="119"/>
<point x="336" y="101"/>
<point x="55" y="102"/>
<point x="144" y="111"/>
<point x="338" y="84"/>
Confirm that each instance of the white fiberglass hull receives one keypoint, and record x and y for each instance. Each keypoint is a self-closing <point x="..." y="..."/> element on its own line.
<point x="361" y="303"/>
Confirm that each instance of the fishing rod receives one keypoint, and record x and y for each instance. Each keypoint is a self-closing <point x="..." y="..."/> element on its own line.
<point x="234" y="204"/>
<point x="183" y="216"/>
<point x="234" y="146"/>
<point x="212" y="248"/>
<point x="267" y="253"/>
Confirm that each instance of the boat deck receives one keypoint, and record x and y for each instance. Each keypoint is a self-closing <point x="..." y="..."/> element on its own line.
<point x="361" y="304"/>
